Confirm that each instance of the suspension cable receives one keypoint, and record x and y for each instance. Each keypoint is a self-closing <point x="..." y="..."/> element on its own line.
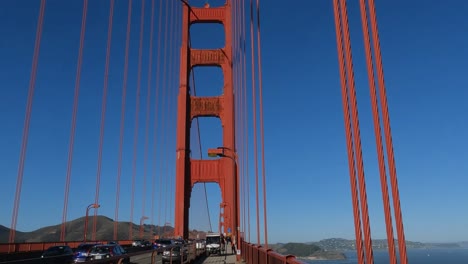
<point x="254" y="107"/>
<point x="172" y="91"/>
<point x="148" y="114"/>
<point x="103" y="115"/>
<point x="24" y="143"/>
<point x="122" y="119"/>
<point x="349" y="142"/>
<point x="260" y="95"/>
<point x="155" y="143"/>
<point x="356" y="134"/>
<point x="378" y="133"/>
<point x="73" y="121"/>
<point x="238" y="93"/>
<point x="158" y="84"/>
<point x="388" y="136"/>
<point x="137" y="115"/>
<point x="246" y="120"/>
<point x="163" y="114"/>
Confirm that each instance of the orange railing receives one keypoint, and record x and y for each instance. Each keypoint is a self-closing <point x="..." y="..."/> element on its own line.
<point x="41" y="246"/>
<point x="255" y="254"/>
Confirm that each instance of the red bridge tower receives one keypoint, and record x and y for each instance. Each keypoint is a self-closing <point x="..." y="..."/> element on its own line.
<point x="222" y="171"/>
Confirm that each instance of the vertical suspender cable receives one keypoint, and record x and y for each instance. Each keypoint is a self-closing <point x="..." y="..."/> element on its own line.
<point x="378" y="133"/>
<point x="155" y="133"/>
<point x="172" y="94"/>
<point x="122" y="119"/>
<point x="158" y="85"/>
<point x="168" y="120"/>
<point x="148" y="113"/>
<point x="254" y="107"/>
<point x="356" y="134"/>
<point x="163" y="113"/>
<point x="73" y="121"/>
<point x="246" y="119"/>
<point x="103" y="115"/>
<point x="239" y="120"/>
<point x="24" y="143"/>
<point x="349" y="140"/>
<point x="388" y="136"/>
<point x="260" y="96"/>
<point x="137" y="115"/>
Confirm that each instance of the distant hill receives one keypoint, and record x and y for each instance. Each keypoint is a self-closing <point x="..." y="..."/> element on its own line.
<point x="307" y="251"/>
<point x="104" y="231"/>
<point x="345" y="244"/>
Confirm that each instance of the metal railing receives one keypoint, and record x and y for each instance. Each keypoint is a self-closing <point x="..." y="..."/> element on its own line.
<point x="255" y="254"/>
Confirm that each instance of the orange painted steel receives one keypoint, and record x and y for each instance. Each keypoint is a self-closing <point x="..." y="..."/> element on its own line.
<point x="262" y="134"/>
<point x="41" y="246"/>
<point x="349" y="142"/>
<point x="254" y="254"/>
<point x="378" y="133"/>
<point x="221" y="171"/>
<point x="254" y="121"/>
<point x="137" y="115"/>
<point x="24" y="143"/>
<point x="356" y="133"/>
<point x="148" y="114"/>
<point x="245" y="132"/>
<point x="155" y="134"/>
<point x="103" y="114"/>
<point x="388" y="136"/>
<point x="73" y="121"/>
<point x="122" y="118"/>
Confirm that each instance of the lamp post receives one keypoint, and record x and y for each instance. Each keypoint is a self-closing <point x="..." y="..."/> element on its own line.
<point x="94" y="205"/>
<point x="143" y="218"/>
<point x="219" y="152"/>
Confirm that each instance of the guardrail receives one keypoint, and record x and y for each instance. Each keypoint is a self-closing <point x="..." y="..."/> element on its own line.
<point x="255" y="254"/>
<point x="41" y="246"/>
<point x="191" y="252"/>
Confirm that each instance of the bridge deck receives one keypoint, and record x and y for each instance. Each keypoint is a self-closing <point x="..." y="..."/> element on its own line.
<point x="223" y="259"/>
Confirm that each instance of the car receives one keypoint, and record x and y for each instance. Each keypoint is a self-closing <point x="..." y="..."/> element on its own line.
<point x="137" y="243"/>
<point x="162" y="243"/>
<point x="108" y="251"/>
<point x="82" y="251"/>
<point x="173" y="254"/>
<point x="213" y="243"/>
<point x="57" y="254"/>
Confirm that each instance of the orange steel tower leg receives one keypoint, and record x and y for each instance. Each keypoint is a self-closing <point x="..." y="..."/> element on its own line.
<point x="221" y="171"/>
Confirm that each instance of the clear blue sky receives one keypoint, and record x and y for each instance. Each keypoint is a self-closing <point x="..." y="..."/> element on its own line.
<point x="424" y="55"/>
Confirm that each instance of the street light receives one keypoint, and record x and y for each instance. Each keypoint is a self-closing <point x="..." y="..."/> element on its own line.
<point x="141" y="225"/>
<point x="219" y="152"/>
<point x="95" y="206"/>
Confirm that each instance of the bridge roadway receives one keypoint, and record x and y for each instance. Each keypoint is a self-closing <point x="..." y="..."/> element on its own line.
<point x="214" y="259"/>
